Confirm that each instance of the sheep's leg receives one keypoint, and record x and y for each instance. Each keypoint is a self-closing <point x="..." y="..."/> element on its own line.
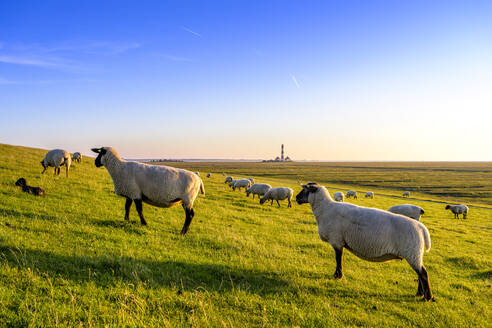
<point x="54" y="172"/>
<point x="420" y="289"/>
<point x="338" y="256"/>
<point x="138" y="205"/>
<point x="290" y="204"/>
<point x="271" y="203"/>
<point x="67" y="170"/>
<point x="278" y="203"/>
<point x="44" y="169"/>
<point x="424" y="280"/>
<point x="189" y="216"/>
<point x="128" y="204"/>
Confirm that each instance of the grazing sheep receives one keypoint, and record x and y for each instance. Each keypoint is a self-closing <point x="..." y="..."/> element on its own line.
<point x="351" y="193"/>
<point x="258" y="189"/>
<point x="406" y="194"/>
<point x="457" y="210"/>
<point x="339" y="196"/>
<point x="36" y="191"/>
<point x="57" y="158"/>
<point x="228" y="180"/>
<point x="369" y="194"/>
<point x="208" y="175"/>
<point x="223" y="174"/>
<point x="369" y="233"/>
<point x="277" y="194"/>
<point x="252" y="180"/>
<point x="241" y="183"/>
<point x="157" y="185"/>
<point x="412" y="211"/>
<point x="77" y="157"/>
<point x="231" y="184"/>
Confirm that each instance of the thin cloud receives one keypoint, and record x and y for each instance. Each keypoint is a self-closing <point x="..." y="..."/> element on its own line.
<point x="176" y="58"/>
<point x="30" y="61"/>
<point x="191" y="31"/>
<point x="295" y="81"/>
<point x="96" y="48"/>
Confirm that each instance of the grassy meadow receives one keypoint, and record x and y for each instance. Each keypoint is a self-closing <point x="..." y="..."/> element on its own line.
<point x="69" y="259"/>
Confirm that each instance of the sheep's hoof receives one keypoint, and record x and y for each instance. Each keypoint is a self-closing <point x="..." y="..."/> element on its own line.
<point x="338" y="275"/>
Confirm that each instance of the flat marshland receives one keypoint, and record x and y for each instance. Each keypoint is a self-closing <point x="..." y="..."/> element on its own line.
<point x="69" y="259"/>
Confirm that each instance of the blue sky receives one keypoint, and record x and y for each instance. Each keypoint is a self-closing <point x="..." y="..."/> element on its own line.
<point x="341" y="80"/>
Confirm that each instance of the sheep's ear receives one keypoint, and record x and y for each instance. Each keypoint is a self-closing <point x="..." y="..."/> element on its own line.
<point x="96" y="150"/>
<point x="311" y="186"/>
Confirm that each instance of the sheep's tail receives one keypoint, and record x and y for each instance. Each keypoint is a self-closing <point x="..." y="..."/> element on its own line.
<point x="202" y="187"/>
<point x="427" y="237"/>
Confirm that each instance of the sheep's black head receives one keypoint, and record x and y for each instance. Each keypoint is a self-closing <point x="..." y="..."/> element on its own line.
<point x="303" y="196"/>
<point x="262" y="200"/>
<point x="21" y="182"/>
<point x="101" y="152"/>
<point x="447" y="207"/>
<point x="43" y="164"/>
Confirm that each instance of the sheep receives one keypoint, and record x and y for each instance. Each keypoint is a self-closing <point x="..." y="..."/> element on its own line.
<point x="457" y="210"/>
<point x="228" y="180"/>
<point x="258" y="189"/>
<point x="197" y="173"/>
<point x="77" y="157"/>
<point x="252" y="180"/>
<point x="208" y="175"/>
<point x="339" y="196"/>
<point x="231" y="184"/>
<point x="157" y="185"/>
<point x="277" y="194"/>
<point x="369" y="233"/>
<point x="351" y="193"/>
<point x="223" y="174"/>
<point x="36" y="191"/>
<point x="241" y="183"/>
<point x="406" y="194"/>
<point x="369" y="194"/>
<point x="412" y="211"/>
<point x="57" y="158"/>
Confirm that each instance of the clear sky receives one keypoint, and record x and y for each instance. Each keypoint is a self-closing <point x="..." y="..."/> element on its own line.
<point x="332" y="80"/>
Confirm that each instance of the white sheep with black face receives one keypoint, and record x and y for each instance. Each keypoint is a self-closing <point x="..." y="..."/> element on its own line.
<point x="228" y="179"/>
<point x="208" y="175"/>
<point x="258" y="189"/>
<point x="157" y="185"/>
<point x="412" y="211"/>
<point x="369" y="194"/>
<point x="406" y="194"/>
<point x="279" y="193"/>
<point x="77" y="157"/>
<point x="56" y="158"/>
<point x="457" y="210"/>
<point x="351" y="193"/>
<point x="339" y="196"/>
<point x="369" y="233"/>
<point x="241" y="183"/>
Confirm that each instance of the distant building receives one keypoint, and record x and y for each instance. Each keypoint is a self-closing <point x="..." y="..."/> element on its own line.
<point x="280" y="158"/>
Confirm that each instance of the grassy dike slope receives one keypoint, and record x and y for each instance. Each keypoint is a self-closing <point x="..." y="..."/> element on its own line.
<point x="69" y="259"/>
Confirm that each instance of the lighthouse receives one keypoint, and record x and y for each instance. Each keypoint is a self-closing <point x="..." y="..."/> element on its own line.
<point x="282" y="153"/>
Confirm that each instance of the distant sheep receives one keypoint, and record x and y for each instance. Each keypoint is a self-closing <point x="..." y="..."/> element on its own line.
<point x="241" y="183"/>
<point x="223" y="174"/>
<point x="369" y="233"/>
<point x="77" y="157"/>
<point x="369" y="194"/>
<point x="259" y="189"/>
<point x="457" y="210"/>
<point x="351" y="193"/>
<point x="36" y="191"/>
<point x="339" y="196"/>
<point x="277" y="194"/>
<point x="208" y="175"/>
<point x="157" y="185"/>
<point x="197" y="173"/>
<point x="406" y="194"/>
<point x="412" y="211"/>
<point x="57" y="158"/>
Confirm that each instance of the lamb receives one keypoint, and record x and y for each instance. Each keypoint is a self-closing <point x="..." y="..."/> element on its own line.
<point x="339" y="196"/>
<point x="36" y="191"/>
<point x="208" y="175"/>
<point x="369" y="233"/>
<point x="457" y="210"/>
<point x="77" y="157"/>
<point x="57" y="158"/>
<point x="406" y="194"/>
<point x="277" y="194"/>
<point x="228" y="180"/>
<point x="351" y="193"/>
<point x="259" y="189"/>
<point x="412" y="211"/>
<point x="369" y="194"/>
<point x="157" y="185"/>
<point x="242" y="183"/>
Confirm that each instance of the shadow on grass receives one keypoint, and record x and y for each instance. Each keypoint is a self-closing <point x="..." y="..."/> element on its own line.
<point x="132" y="226"/>
<point x="105" y="271"/>
<point x="28" y="215"/>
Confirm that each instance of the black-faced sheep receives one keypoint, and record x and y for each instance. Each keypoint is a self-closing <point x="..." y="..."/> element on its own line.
<point x="351" y="193"/>
<point x="369" y="194"/>
<point x="279" y="193"/>
<point x="77" y="157"/>
<point x="37" y="191"/>
<point x="157" y="185"/>
<point x="457" y="210"/>
<point x="406" y="194"/>
<point x="57" y="158"/>
<point x="339" y="196"/>
<point x="412" y="211"/>
<point x="369" y="233"/>
<point x="259" y="189"/>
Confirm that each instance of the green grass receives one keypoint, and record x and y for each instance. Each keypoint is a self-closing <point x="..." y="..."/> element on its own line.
<point x="69" y="259"/>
